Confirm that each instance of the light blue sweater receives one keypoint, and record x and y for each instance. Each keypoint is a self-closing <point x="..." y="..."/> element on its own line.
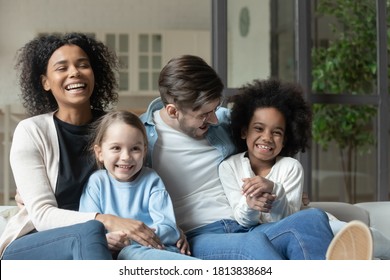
<point x="144" y="199"/>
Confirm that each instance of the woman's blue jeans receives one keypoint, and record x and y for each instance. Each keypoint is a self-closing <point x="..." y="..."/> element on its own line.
<point x="304" y="235"/>
<point x="136" y="251"/>
<point x="84" y="241"/>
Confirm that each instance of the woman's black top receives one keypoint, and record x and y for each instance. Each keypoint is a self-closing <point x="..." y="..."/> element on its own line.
<point x="76" y="162"/>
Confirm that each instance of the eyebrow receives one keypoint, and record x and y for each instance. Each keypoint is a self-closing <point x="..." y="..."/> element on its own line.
<point x="61" y="62"/>
<point x="120" y="143"/>
<point x="206" y="112"/>
<point x="260" y="123"/>
<point x="212" y="110"/>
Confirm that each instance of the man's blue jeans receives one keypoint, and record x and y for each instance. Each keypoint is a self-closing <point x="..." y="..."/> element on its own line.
<point x="84" y="241"/>
<point x="304" y="235"/>
<point x="136" y="251"/>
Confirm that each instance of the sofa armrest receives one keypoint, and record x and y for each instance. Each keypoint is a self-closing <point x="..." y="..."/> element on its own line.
<point x="6" y="212"/>
<point x="343" y="211"/>
<point x="379" y="214"/>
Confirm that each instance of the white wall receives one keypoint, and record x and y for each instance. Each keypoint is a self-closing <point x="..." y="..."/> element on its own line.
<point x="249" y="57"/>
<point x="21" y="20"/>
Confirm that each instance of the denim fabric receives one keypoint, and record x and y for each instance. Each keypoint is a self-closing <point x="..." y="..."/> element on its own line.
<point x="227" y="240"/>
<point x="304" y="235"/>
<point x="136" y="251"/>
<point x="85" y="241"/>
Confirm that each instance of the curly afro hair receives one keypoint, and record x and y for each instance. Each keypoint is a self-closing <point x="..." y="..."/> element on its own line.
<point x="32" y="60"/>
<point x="286" y="98"/>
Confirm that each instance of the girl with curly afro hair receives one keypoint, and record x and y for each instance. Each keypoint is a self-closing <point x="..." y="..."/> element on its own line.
<point x="67" y="82"/>
<point x="270" y="123"/>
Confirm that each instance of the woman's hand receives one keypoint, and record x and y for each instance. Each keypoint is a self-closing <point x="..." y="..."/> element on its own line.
<point x="134" y="230"/>
<point x="182" y="243"/>
<point x="117" y="240"/>
<point x="19" y="200"/>
<point x="256" y="186"/>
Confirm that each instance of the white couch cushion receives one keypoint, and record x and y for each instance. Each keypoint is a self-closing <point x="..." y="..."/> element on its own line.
<point x="379" y="214"/>
<point x="5" y="213"/>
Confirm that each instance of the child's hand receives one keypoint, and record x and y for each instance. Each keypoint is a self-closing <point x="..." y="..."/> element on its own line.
<point x="117" y="240"/>
<point x="182" y="243"/>
<point x="261" y="203"/>
<point x="256" y="186"/>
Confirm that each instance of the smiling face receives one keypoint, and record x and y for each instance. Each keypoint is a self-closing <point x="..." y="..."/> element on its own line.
<point x="265" y="136"/>
<point x="122" y="151"/>
<point x="69" y="77"/>
<point x="196" y="123"/>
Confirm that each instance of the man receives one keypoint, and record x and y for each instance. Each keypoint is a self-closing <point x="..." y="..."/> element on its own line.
<point x="189" y="136"/>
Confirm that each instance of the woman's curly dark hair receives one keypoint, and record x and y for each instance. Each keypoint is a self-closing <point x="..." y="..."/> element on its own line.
<point x="286" y="98"/>
<point x="32" y="60"/>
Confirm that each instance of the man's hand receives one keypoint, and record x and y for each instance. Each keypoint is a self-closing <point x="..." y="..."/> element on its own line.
<point x="261" y="203"/>
<point x="305" y="199"/>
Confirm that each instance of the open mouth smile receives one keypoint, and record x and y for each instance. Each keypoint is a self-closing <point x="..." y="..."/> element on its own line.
<point x="264" y="147"/>
<point x="76" y="86"/>
<point x="123" y="166"/>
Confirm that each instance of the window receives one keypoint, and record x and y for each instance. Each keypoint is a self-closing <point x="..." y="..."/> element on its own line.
<point x="119" y="43"/>
<point x="149" y="60"/>
<point x="295" y="27"/>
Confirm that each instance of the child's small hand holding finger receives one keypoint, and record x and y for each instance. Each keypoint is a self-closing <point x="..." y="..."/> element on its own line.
<point x="257" y="185"/>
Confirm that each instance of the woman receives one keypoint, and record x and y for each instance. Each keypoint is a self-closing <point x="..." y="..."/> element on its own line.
<point x="67" y="82"/>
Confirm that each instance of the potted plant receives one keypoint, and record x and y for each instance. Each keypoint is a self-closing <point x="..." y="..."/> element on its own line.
<point x="346" y="66"/>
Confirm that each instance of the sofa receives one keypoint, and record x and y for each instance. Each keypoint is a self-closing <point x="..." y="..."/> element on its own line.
<point x="374" y="214"/>
<point x="5" y="213"/>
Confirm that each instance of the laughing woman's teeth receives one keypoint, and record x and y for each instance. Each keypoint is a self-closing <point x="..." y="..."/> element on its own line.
<point x="75" y="86"/>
